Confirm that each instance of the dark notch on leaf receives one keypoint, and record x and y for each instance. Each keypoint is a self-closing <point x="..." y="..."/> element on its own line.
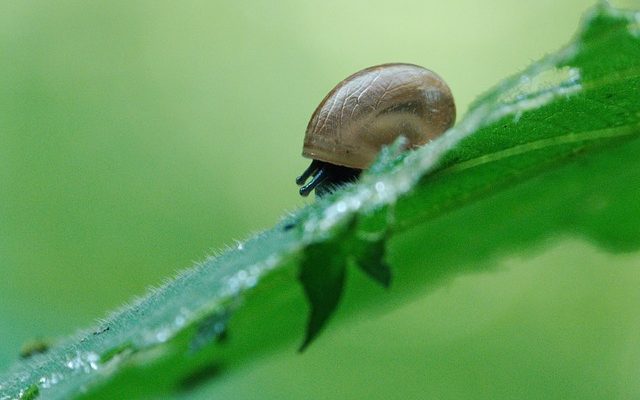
<point x="322" y="276"/>
<point x="371" y="260"/>
<point x="323" y="272"/>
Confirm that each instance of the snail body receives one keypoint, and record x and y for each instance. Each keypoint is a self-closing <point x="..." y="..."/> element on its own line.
<point x="367" y="111"/>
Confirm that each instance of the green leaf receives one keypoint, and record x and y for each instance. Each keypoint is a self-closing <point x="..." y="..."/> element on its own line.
<point x="550" y="151"/>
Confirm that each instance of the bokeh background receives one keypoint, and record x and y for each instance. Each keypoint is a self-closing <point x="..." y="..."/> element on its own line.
<point x="137" y="137"/>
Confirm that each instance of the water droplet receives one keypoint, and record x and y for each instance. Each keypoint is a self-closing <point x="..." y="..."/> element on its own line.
<point x="163" y="335"/>
<point x="84" y="362"/>
<point x="355" y="202"/>
<point x="252" y="281"/>
<point x="272" y="261"/>
<point x="246" y="279"/>
<point x="233" y="284"/>
<point x="254" y="270"/>
<point x="50" y="380"/>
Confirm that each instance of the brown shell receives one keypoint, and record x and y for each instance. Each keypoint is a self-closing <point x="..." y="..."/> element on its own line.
<point x="371" y="108"/>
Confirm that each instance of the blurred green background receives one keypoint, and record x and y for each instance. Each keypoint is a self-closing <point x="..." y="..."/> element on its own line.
<point x="137" y="137"/>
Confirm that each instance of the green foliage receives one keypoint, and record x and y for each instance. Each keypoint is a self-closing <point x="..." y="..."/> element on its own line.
<point x="565" y="130"/>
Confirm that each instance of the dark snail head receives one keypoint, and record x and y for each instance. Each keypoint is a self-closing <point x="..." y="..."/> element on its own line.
<point x="367" y="111"/>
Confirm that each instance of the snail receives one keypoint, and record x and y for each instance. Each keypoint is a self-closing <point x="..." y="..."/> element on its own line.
<point x="367" y="111"/>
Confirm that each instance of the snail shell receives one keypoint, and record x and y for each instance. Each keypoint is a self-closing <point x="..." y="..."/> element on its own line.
<point x="371" y="108"/>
